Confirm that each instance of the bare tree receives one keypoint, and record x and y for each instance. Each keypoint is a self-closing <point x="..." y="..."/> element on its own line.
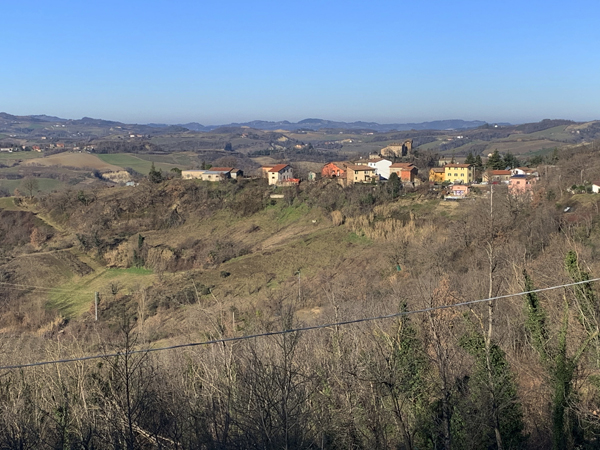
<point x="30" y="185"/>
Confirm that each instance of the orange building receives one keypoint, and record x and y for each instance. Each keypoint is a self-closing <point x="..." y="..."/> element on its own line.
<point x="334" y="170"/>
<point x="436" y="175"/>
<point x="405" y="171"/>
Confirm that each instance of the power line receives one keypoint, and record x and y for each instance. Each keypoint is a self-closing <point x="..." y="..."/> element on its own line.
<point x="293" y="330"/>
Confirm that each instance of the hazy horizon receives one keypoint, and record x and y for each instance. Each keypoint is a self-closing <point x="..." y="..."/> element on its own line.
<point x="208" y="123"/>
<point x="218" y="63"/>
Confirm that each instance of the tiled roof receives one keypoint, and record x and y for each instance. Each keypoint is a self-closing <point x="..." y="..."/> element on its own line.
<point x="339" y="164"/>
<point x="221" y="169"/>
<point x="407" y="166"/>
<point x="359" y="168"/>
<point x="278" y="168"/>
<point x="500" y="172"/>
<point x="458" y="165"/>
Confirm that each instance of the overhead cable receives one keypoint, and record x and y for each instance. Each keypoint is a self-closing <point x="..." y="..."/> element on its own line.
<point x="292" y="330"/>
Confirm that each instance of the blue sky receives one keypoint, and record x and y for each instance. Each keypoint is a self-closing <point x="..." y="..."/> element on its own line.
<point x="219" y="62"/>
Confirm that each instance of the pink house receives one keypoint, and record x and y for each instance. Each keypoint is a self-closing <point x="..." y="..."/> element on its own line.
<point x="519" y="184"/>
<point x="459" y="190"/>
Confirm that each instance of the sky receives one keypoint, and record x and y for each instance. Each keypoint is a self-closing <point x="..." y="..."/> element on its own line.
<point x="233" y="61"/>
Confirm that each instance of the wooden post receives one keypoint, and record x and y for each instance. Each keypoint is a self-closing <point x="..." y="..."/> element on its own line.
<point x="96" y="295"/>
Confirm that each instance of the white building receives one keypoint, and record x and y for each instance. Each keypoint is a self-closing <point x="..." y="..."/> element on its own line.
<point x="279" y="174"/>
<point x="381" y="166"/>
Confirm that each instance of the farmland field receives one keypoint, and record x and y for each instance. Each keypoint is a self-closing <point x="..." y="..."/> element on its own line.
<point x="5" y="156"/>
<point x="45" y="184"/>
<point x="183" y="160"/>
<point x="124" y="160"/>
<point x="521" y="147"/>
<point x="556" y="133"/>
<point x="79" y="160"/>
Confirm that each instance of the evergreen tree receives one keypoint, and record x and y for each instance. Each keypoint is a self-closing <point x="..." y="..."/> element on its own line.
<point x="394" y="185"/>
<point x="559" y="365"/>
<point x="470" y="159"/>
<point x="495" y="162"/>
<point x="478" y="163"/>
<point x="155" y="176"/>
<point x="511" y="161"/>
<point x="493" y="397"/>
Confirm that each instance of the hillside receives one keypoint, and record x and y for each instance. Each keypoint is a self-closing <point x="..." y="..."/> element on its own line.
<point x="185" y="261"/>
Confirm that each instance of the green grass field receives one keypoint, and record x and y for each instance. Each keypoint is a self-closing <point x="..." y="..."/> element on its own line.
<point x="553" y="133"/>
<point x="8" y="203"/>
<point x="45" y="185"/>
<point x="140" y="165"/>
<point x="5" y="156"/>
<point x="181" y="160"/>
<point x="77" y="296"/>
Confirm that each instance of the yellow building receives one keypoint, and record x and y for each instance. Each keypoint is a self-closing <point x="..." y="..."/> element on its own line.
<point x="360" y="174"/>
<point x="437" y="175"/>
<point x="459" y="173"/>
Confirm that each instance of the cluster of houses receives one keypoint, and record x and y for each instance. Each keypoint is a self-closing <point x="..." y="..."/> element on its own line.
<point x="461" y="176"/>
<point x="49" y="146"/>
<point x="212" y="174"/>
<point x="369" y="170"/>
<point x="278" y="174"/>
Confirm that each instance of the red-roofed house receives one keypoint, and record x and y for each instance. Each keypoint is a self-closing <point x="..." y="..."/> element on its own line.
<point x="405" y="171"/>
<point x="496" y="176"/>
<point x="334" y="170"/>
<point x="280" y="173"/>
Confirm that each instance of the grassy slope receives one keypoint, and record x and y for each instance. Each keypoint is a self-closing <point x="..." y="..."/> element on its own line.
<point x="45" y="184"/>
<point x="68" y="159"/>
<point x="18" y="155"/>
<point x="286" y="240"/>
<point x="183" y="160"/>
<point x="76" y="296"/>
<point x="128" y="160"/>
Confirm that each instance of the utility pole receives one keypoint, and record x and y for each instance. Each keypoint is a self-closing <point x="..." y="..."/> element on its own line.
<point x="299" y="291"/>
<point x="96" y="297"/>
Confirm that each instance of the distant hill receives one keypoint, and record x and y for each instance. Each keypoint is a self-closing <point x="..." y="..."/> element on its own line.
<point x="452" y="136"/>
<point x="22" y="124"/>
<point x="318" y="124"/>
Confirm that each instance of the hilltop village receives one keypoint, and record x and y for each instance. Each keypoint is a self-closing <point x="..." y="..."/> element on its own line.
<point x="456" y="180"/>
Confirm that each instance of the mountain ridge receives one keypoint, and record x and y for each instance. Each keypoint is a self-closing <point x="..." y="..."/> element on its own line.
<point x="309" y="123"/>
